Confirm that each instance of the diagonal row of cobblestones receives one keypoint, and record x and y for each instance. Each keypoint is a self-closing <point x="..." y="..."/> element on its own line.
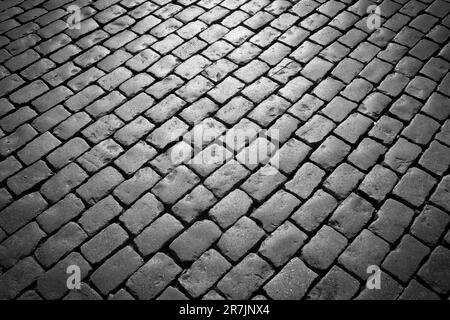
<point x="99" y="165"/>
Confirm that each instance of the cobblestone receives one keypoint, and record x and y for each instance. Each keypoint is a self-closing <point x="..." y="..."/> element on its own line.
<point x="20" y="244"/>
<point x="404" y="261"/>
<point x="430" y="224"/>
<point x="416" y="291"/>
<point x="392" y="219"/>
<point x="365" y="250"/>
<point x="240" y="238"/>
<point x="292" y="282"/>
<point x="401" y="155"/>
<point x="351" y="215"/>
<point x="442" y="195"/>
<point x="153" y="276"/>
<point x="116" y="269"/>
<point x="204" y="273"/>
<point x="408" y="187"/>
<point x="19" y="277"/>
<point x="378" y="182"/>
<point x="323" y="248"/>
<point x="99" y="215"/>
<point x="313" y="212"/>
<point x="29" y="177"/>
<point x="60" y="213"/>
<point x="141" y="213"/>
<point x="336" y="285"/>
<point x="65" y="240"/>
<point x="390" y="291"/>
<point x="124" y="149"/>
<point x="20" y="212"/>
<point x="245" y="278"/>
<point x="157" y="234"/>
<point x="435" y="270"/>
<point x="305" y="180"/>
<point x="195" y="240"/>
<point x="282" y="244"/>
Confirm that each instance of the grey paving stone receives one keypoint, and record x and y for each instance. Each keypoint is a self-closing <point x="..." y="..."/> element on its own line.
<point x="19" y="277"/>
<point x="335" y="285"/>
<point x="204" y="273"/>
<point x="351" y="215"/>
<point x="435" y="271"/>
<point x="313" y="212"/>
<point x="406" y="258"/>
<point x="366" y="249"/>
<point x="414" y="186"/>
<point x="392" y="219"/>
<point x="63" y="211"/>
<point x="283" y="203"/>
<point x="292" y="282"/>
<point x="97" y="216"/>
<point x="104" y="243"/>
<point x="116" y="270"/>
<point x="442" y="195"/>
<point x="65" y="240"/>
<point x="307" y="178"/>
<point x="141" y="213"/>
<point x="230" y="208"/>
<point x="389" y="291"/>
<point x="282" y="244"/>
<point x="323" y="248"/>
<point x="430" y="224"/>
<point x="20" y="212"/>
<point x="236" y="149"/>
<point x="195" y="240"/>
<point x="153" y="276"/>
<point x="157" y="234"/>
<point x="254" y="269"/>
<point x="378" y="182"/>
<point x="239" y="238"/>
<point x="416" y="291"/>
<point x="20" y="244"/>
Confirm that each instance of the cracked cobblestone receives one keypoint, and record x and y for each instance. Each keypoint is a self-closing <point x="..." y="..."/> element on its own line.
<point x="125" y="149"/>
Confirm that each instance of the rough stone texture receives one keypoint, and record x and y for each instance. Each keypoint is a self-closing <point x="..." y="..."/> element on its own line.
<point x="390" y="290"/>
<point x="435" y="272"/>
<point x="414" y="186"/>
<point x="230" y="208"/>
<point x="239" y="239"/>
<point x="116" y="269"/>
<point x="292" y="282"/>
<point x="365" y="250"/>
<point x="335" y="285"/>
<point x="157" y="234"/>
<point x="195" y="240"/>
<point x="282" y="244"/>
<point x="245" y="278"/>
<point x="104" y="243"/>
<point x="204" y="273"/>
<point x="65" y="240"/>
<point x="351" y="215"/>
<point x="275" y="210"/>
<point x="153" y="276"/>
<point x="224" y="149"/>
<point x="430" y="224"/>
<point x="52" y="284"/>
<point x="323" y="248"/>
<point x="392" y="219"/>
<point x="378" y="183"/>
<point x="406" y="258"/>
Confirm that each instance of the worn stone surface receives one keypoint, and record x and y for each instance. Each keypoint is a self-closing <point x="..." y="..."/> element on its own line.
<point x="224" y="149"/>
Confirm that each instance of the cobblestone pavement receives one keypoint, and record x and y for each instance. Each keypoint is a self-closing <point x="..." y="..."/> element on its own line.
<point x="97" y="162"/>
